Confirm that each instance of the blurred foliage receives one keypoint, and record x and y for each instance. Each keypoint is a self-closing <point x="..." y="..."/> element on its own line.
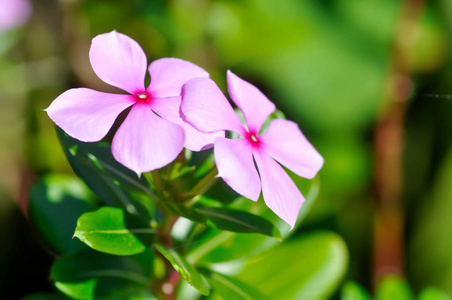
<point x="326" y="64"/>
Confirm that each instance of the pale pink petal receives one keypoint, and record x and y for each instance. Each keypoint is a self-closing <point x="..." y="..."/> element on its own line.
<point x="13" y="13"/>
<point x="145" y="142"/>
<point x="206" y="108"/>
<point x="168" y="108"/>
<point x="119" y="61"/>
<point x="286" y="143"/>
<point x="255" y="106"/>
<point x="235" y="165"/>
<point x="168" y="75"/>
<point x="87" y="115"/>
<point x="279" y="191"/>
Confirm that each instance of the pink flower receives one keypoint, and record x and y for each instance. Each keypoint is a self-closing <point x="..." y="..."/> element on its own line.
<point x="13" y="13"/>
<point x="153" y="134"/>
<point x="206" y="108"/>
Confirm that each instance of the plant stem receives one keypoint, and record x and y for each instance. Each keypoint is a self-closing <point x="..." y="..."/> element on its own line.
<point x="201" y="187"/>
<point x="389" y="219"/>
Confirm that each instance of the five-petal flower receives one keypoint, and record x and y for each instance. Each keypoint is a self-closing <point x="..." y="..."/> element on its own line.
<point x="153" y="134"/>
<point x="206" y="108"/>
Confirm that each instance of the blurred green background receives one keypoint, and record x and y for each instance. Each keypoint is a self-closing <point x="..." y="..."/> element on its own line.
<point x="337" y="67"/>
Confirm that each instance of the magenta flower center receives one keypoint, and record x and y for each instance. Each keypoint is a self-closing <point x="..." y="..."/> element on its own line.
<point x="253" y="139"/>
<point x="143" y="97"/>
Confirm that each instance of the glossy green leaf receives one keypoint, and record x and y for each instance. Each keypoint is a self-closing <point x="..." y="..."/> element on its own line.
<point x="121" y="289"/>
<point x="393" y="287"/>
<point x="237" y="221"/>
<point x="107" y="230"/>
<point x="307" y="267"/>
<point x="431" y="293"/>
<point x="186" y="212"/>
<point x="223" y="246"/>
<point x="231" y="288"/>
<point x="55" y="204"/>
<point x="353" y="291"/>
<point x="45" y="296"/>
<point x="110" y="180"/>
<point x="83" y="290"/>
<point x="83" y="273"/>
<point x="88" y="264"/>
<point x="188" y="272"/>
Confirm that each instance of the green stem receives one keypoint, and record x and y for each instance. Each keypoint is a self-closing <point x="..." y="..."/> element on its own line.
<point x="157" y="183"/>
<point x="200" y="188"/>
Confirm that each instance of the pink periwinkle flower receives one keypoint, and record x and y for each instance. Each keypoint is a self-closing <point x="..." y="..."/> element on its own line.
<point x="13" y="13"/>
<point x="207" y="109"/>
<point x="153" y="133"/>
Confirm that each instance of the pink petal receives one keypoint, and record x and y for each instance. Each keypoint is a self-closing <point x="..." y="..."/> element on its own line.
<point x="206" y="108"/>
<point x="87" y="115"/>
<point x="235" y="165"/>
<point x="286" y="143"/>
<point x="280" y="193"/>
<point x="168" y="108"/>
<point x="146" y="142"/>
<point x="13" y="13"/>
<point x="119" y="61"/>
<point x="255" y="106"/>
<point x="168" y="75"/>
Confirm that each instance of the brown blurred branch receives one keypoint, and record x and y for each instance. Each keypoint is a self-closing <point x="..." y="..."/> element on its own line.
<point x="389" y="142"/>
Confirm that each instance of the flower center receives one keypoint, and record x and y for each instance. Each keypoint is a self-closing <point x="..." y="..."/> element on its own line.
<point x="253" y="139"/>
<point x="142" y="96"/>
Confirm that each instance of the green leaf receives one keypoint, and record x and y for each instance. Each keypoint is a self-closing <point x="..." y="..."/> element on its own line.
<point x="393" y="287"/>
<point x="45" y="296"/>
<point x="84" y="272"/>
<point x="220" y="246"/>
<point x="186" y="212"/>
<point x="83" y="290"/>
<point x="353" y="291"/>
<point x="431" y="293"/>
<point x="231" y="288"/>
<point x="55" y="204"/>
<point x="107" y="230"/>
<point x="237" y="221"/>
<point x="110" y="180"/>
<point x="121" y="289"/>
<point x="188" y="272"/>
<point x="307" y="267"/>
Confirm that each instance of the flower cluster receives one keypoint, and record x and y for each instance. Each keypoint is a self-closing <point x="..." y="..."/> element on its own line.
<point x="180" y="108"/>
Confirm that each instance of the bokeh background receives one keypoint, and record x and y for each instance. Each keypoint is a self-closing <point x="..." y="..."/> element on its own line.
<point x="368" y="81"/>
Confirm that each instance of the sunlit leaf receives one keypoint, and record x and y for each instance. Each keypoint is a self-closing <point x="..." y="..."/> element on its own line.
<point x="307" y="267"/>
<point x="188" y="272"/>
<point x="83" y="290"/>
<point x="353" y="291"/>
<point x="223" y="246"/>
<point x="431" y="293"/>
<point x="107" y="230"/>
<point x="231" y="288"/>
<point x="393" y="287"/>
<point x="55" y="204"/>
